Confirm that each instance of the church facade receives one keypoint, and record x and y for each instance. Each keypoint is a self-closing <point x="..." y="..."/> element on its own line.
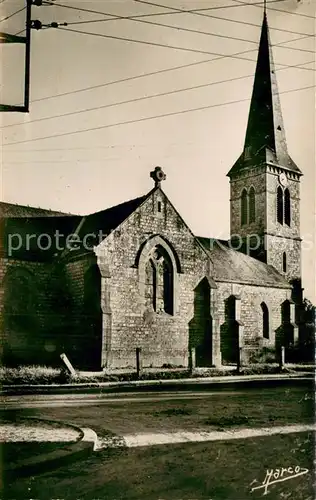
<point x="135" y="276"/>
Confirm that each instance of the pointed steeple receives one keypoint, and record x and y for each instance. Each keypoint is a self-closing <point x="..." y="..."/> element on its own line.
<point x="265" y="137"/>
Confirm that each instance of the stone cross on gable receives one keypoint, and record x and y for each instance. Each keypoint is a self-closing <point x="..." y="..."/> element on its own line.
<point x="158" y="175"/>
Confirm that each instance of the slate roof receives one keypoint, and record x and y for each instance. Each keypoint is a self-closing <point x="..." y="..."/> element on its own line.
<point x="34" y="238"/>
<point x="14" y="210"/>
<point x="34" y="227"/>
<point x="109" y="219"/>
<point x="235" y="267"/>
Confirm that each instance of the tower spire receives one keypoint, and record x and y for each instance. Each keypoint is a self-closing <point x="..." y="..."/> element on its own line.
<point x="265" y="182"/>
<point x="265" y="137"/>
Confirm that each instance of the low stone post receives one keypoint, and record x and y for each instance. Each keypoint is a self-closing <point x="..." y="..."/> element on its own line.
<point x="139" y="364"/>
<point x="68" y="365"/>
<point x="192" y="359"/>
<point x="282" y="357"/>
<point x="240" y="359"/>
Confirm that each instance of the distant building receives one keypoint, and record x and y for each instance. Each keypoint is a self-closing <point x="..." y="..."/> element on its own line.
<point x="135" y="275"/>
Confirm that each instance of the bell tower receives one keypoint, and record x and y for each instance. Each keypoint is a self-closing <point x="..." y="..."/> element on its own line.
<point x="265" y="181"/>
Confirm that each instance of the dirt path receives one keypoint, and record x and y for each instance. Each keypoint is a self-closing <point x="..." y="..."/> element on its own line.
<point x="150" y="439"/>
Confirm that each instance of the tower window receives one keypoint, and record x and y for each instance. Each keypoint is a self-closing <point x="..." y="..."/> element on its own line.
<point x="280" y="205"/>
<point x="244" y="207"/>
<point x="265" y="320"/>
<point x="159" y="206"/>
<point x="252" y="205"/>
<point x="287" y="207"/>
<point x="284" y="262"/>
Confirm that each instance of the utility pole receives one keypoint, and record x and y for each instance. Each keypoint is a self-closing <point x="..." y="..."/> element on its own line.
<point x="10" y="38"/>
<point x="27" y="57"/>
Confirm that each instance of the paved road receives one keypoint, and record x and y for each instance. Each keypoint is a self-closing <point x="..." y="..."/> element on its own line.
<point x="64" y="400"/>
<point x="222" y="470"/>
<point x="104" y="398"/>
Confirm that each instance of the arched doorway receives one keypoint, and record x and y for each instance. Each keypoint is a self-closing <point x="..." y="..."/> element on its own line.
<point x="200" y="327"/>
<point x="230" y="333"/>
<point x="91" y="342"/>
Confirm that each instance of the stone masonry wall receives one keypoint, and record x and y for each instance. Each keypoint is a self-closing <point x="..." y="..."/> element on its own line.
<point x="251" y="177"/>
<point x="280" y="237"/>
<point x="275" y="238"/>
<point x="84" y="328"/>
<point x="251" y="313"/>
<point x="164" y="338"/>
<point x="29" y="335"/>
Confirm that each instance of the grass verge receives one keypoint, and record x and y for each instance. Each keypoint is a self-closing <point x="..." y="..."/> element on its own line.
<point x="34" y="375"/>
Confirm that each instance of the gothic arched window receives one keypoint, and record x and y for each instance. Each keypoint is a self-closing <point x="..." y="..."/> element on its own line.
<point x="265" y="320"/>
<point x="284" y="262"/>
<point x="280" y="205"/>
<point x="151" y="285"/>
<point x="252" y="205"/>
<point x="168" y="286"/>
<point x="287" y="207"/>
<point x="244" y="207"/>
<point x="159" y="287"/>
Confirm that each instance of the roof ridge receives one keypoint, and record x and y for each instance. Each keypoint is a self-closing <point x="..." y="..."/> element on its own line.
<point x="8" y="205"/>
<point x="138" y="198"/>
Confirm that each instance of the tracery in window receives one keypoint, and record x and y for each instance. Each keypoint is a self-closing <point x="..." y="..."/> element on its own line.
<point x="159" y="287"/>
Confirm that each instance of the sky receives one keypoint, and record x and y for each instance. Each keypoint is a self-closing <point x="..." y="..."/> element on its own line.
<point x="96" y="126"/>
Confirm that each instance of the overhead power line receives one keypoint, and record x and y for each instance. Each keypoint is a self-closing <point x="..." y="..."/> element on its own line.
<point x="143" y="98"/>
<point x="202" y="12"/>
<point x="174" y="10"/>
<point x="145" y="75"/>
<point x="19" y="32"/>
<point x="144" y="42"/>
<point x="153" y="23"/>
<point x="174" y="47"/>
<point x="240" y="2"/>
<point x="11" y="15"/>
<point x="77" y="160"/>
<point x="180" y="28"/>
<point x="180" y="11"/>
<point x="243" y="4"/>
<point x="139" y="120"/>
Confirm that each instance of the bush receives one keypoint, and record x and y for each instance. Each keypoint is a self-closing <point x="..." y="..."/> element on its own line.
<point x="264" y="355"/>
<point x="30" y="375"/>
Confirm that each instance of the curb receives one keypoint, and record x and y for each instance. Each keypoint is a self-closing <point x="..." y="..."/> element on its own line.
<point x="87" y="442"/>
<point x="159" y="384"/>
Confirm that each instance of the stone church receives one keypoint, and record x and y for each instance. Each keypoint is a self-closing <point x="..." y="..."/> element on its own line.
<point x="135" y="276"/>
